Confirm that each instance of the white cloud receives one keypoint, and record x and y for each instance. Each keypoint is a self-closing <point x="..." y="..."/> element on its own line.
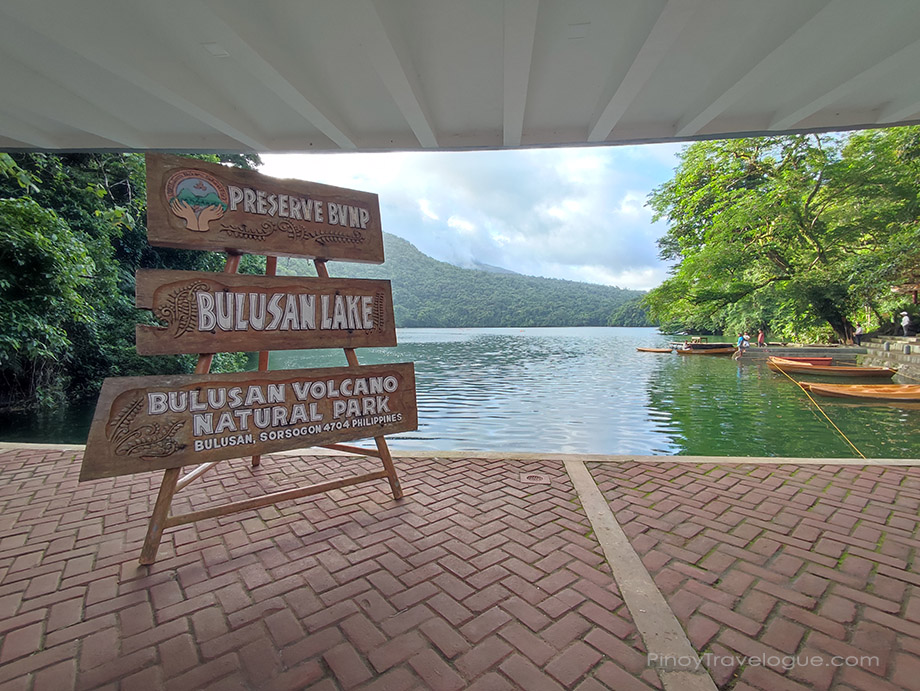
<point x="578" y="214"/>
<point x="631" y="204"/>
<point x="425" y="207"/>
<point x="461" y="225"/>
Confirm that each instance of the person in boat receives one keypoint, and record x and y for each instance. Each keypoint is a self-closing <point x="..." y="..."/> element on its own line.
<point x="858" y="334"/>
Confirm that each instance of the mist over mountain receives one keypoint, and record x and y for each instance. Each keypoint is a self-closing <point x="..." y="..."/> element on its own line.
<point x="480" y="266"/>
<point x="431" y="293"/>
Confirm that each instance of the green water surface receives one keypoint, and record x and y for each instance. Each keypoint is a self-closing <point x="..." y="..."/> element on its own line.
<point x="587" y="390"/>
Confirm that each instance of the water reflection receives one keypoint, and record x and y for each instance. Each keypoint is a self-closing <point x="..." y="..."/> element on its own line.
<point x="587" y="390"/>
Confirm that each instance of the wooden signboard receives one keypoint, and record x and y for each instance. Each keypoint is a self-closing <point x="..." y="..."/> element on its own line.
<point x="193" y="204"/>
<point x="150" y="423"/>
<point x="166" y="423"/>
<point x="220" y="312"/>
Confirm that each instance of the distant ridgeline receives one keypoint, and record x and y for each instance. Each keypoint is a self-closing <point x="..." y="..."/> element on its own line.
<point x="430" y="293"/>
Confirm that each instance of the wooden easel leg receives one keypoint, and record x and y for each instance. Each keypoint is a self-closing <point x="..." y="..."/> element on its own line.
<point x="381" y="442"/>
<point x="384" y="452"/>
<point x="271" y="269"/>
<point x="158" y="519"/>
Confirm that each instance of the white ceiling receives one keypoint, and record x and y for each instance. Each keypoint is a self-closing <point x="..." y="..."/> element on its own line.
<point x="326" y="75"/>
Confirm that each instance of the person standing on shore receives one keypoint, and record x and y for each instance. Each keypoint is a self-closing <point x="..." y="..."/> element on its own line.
<point x="858" y="334"/>
<point x="905" y="322"/>
<point x="744" y="341"/>
<point x="761" y="339"/>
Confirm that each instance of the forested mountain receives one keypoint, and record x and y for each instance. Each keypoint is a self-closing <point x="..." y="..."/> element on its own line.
<point x="427" y="292"/>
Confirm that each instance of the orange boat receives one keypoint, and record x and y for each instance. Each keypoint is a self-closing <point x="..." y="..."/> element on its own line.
<point x="810" y="360"/>
<point x="873" y="392"/>
<point x="654" y="350"/>
<point x="778" y="364"/>
<point x="706" y="351"/>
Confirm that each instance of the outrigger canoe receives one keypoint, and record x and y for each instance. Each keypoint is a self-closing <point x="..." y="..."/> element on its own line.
<point x="873" y="392"/>
<point x="778" y="364"/>
<point x="654" y="350"/>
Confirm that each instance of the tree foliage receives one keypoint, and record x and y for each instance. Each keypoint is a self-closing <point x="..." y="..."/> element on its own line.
<point x="800" y="234"/>
<point x="43" y="269"/>
<point x="72" y="236"/>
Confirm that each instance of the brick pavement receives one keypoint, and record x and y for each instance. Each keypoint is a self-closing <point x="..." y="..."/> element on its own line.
<point x="476" y="580"/>
<point x="774" y="561"/>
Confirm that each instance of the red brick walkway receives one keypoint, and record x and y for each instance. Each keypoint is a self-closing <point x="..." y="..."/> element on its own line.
<point x="785" y="564"/>
<point x="473" y="581"/>
<point x="476" y="580"/>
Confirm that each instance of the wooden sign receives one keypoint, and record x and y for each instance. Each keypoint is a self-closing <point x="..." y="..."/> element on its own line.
<point x="220" y="312"/>
<point x="193" y="204"/>
<point x="151" y="423"/>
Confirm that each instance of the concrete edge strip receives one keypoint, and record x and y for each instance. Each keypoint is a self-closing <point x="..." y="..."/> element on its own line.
<point x="662" y="634"/>
<point x="524" y="457"/>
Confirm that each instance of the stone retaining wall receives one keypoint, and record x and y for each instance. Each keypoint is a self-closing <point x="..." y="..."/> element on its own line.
<point x="899" y="352"/>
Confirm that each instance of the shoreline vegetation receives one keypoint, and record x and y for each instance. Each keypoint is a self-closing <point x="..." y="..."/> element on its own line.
<point x="803" y="236"/>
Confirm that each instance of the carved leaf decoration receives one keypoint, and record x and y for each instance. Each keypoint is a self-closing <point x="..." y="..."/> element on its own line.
<point x="248" y="232"/>
<point x="294" y="231"/>
<point x="180" y="308"/>
<point x="119" y="424"/>
<point x="332" y="238"/>
<point x="377" y="312"/>
<point x="151" y="440"/>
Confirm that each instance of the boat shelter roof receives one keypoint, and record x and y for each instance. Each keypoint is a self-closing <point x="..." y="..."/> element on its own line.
<point x="369" y="75"/>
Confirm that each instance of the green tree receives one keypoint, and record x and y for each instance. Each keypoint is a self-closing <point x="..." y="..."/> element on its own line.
<point x="98" y="203"/>
<point x="782" y="231"/>
<point x="43" y="269"/>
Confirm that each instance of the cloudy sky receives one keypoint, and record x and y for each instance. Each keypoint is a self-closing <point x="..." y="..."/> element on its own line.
<point x="578" y="214"/>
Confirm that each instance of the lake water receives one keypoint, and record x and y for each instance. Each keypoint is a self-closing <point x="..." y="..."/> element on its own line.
<point x="587" y="390"/>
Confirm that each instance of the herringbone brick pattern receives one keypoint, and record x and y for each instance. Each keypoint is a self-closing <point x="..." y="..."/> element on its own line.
<point x="779" y="561"/>
<point x="475" y="580"/>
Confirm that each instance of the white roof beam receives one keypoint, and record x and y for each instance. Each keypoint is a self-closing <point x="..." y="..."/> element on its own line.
<point x="899" y="112"/>
<point x="14" y="128"/>
<point x="237" y="36"/>
<point x="175" y="89"/>
<point x="520" y="28"/>
<point x="903" y="109"/>
<point x="672" y="20"/>
<point x="387" y="52"/>
<point x="786" y="120"/>
<point x="65" y="106"/>
<point x="692" y="123"/>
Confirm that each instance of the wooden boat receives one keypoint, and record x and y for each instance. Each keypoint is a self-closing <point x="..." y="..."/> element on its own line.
<point x="696" y="345"/>
<point x="707" y="351"/>
<point x="778" y="364"/>
<point x="654" y="350"/>
<point x="810" y="360"/>
<point x="872" y="392"/>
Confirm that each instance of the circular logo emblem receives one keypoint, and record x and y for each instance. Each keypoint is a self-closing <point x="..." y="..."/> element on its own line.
<point x="196" y="197"/>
